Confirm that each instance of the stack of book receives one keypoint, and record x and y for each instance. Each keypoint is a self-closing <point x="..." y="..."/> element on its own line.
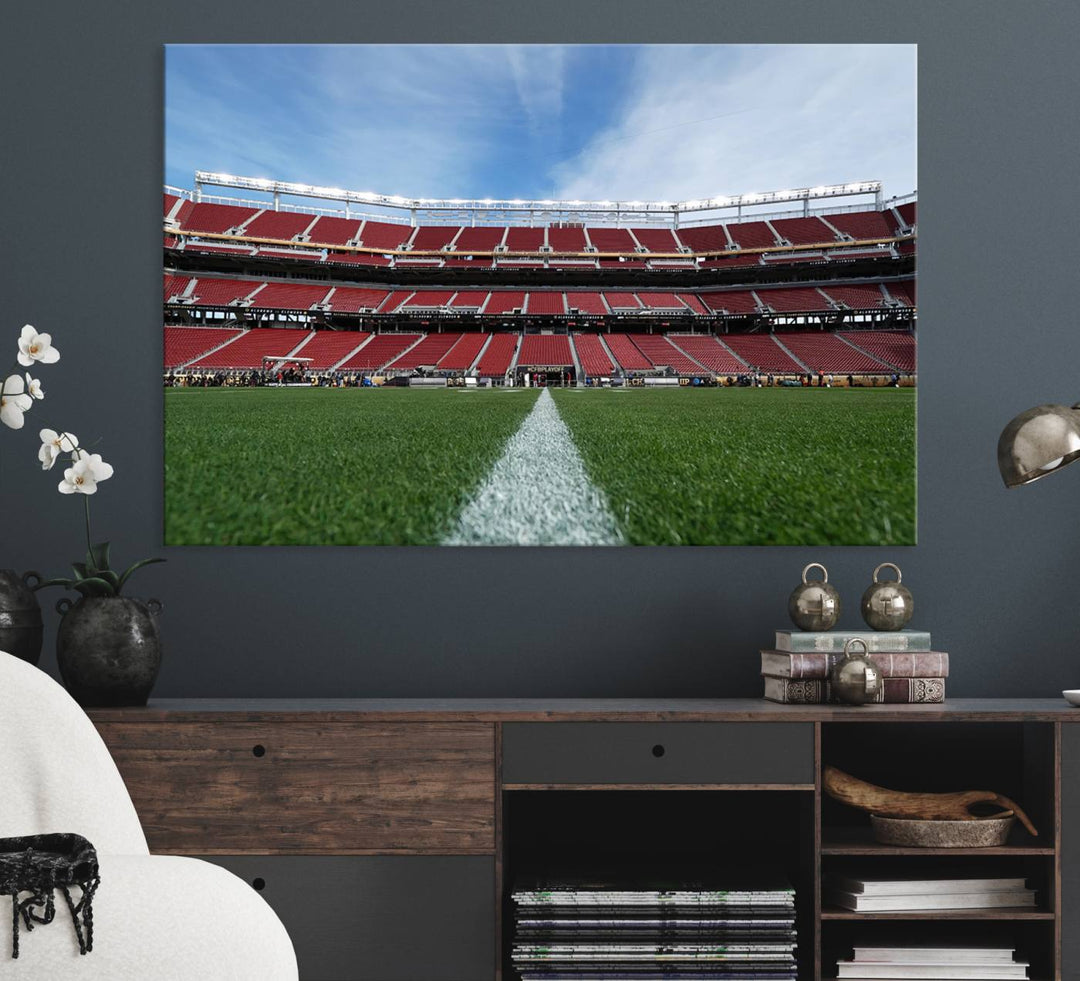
<point x="797" y="670"/>
<point x="586" y="931"/>
<point x="938" y="963"/>
<point x="895" y="894"/>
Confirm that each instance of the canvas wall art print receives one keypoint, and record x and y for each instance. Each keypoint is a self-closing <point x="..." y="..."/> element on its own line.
<point x="569" y="294"/>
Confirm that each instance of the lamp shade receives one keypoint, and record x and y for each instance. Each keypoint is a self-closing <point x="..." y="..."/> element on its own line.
<point x="1037" y="442"/>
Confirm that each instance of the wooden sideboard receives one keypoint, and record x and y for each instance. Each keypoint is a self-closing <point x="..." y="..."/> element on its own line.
<point x="387" y="833"/>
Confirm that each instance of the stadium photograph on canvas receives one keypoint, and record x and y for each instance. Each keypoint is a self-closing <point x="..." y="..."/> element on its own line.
<point x="540" y="295"/>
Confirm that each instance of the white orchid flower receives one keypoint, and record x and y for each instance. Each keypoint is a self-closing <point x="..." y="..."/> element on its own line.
<point x="85" y="474"/>
<point x="36" y="347"/>
<point x="14" y="401"/>
<point x="53" y="444"/>
<point x="33" y="387"/>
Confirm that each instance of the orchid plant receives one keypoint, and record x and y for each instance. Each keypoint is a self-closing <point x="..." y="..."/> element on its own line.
<point x="18" y="394"/>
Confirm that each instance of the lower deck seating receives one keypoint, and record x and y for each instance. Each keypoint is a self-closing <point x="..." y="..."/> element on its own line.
<point x="762" y="352"/>
<point x="496" y="360"/>
<point x="826" y="352"/>
<point x="380" y="350"/>
<point x="662" y="353"/>
<point x="707" y="350"/>
<point x="250" y="349"/>
<point x="184" y="344"/>
<point x="545" y="350"/>
<point x="428" y="352"/>
<point x="626" y="353"/>
<point x="328" y="347"/>
<point x="894" y="347"/>
<point x="461" y="356"/>
<point x="594" y="359"/>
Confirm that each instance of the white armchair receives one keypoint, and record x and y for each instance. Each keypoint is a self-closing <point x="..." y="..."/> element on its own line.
<point x="156" y="918"/>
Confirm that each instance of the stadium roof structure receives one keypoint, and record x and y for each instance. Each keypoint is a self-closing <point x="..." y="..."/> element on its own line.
<point x="481" y="210"/>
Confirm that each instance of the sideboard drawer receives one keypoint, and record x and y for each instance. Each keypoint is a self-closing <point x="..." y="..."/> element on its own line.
<point x="699" y="753"/>
<point x="231" y="788"/>
<point x="380" y="917"/>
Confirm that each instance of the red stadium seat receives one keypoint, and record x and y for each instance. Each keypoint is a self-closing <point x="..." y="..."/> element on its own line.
<point x="252" y="347"/>
<point x="663" y="354"/>
<point x="594" y="359"/>
<point x="498" y="356"/>
<point x="379" y="351"/>
<point x="761" y="351"/>
<point x="710" y="352"/>
<point x="626" y="352"/>
<point x="828" y="353"/>
<point x="545" y="351"/>
<point x="896" y="348"/>
<point x="430" y="351"/>
<point x="184" y="344"/>
<point x="327" y="347"/>
<point x="462" y="355"/>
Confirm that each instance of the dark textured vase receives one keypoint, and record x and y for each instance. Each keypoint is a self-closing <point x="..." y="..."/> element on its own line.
<point x="109" y="649"/>
<point x="21" y="628"/>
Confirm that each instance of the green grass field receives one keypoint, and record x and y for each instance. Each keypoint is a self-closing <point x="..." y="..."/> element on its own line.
<point x="396" y="466"/>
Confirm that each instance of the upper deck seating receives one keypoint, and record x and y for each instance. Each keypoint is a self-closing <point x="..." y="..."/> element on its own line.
<point x="567" y="239"/>
<point x="520" y="238"/>
<point x="661" y="301"/>
<point x="278" y="225"/>
<point x="752" y="234"/>
<point x="481" y="238"/>
<point x="469" y="300"/>
<point x="607" y="239"/>
<point x="384" y="235"/>
<point x="215" y="219"/>
<point x="431" y="238"/>
<point x="428" y="300"/>
<point x="704" y="238"/>
<point x="174" y="285"/>
<point x="903" y="291"/>
<point x="861" y="224"/>
<point x="804" y="231"/>
<point x="622" y="301"/>
<point x="329" y="230"/>
<point x="656" y="239"/>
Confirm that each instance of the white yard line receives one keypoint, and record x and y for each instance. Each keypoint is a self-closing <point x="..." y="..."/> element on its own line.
<point x="538" y="492"/>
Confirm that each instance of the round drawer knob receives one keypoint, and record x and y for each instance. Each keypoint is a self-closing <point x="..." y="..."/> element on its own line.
<point x="258" y="750"/>
<point x="658" y="751"/>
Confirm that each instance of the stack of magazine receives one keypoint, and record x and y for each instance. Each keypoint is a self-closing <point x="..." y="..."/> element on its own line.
<point x="567" y="930"/>
<point x="937" y="963"/>
<point x="901" y="893"/>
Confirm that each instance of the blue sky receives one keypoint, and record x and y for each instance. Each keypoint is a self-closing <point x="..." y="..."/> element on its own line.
<point x="656" y="122"/>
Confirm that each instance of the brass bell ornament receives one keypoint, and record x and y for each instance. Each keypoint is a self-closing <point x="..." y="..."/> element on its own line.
<point x="814" y="605"/>
<point x="887" y="605"/>
<point x="855" y="679"/>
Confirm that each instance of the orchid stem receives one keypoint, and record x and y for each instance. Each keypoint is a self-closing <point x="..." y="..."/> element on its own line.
<point x="89" y="547"/>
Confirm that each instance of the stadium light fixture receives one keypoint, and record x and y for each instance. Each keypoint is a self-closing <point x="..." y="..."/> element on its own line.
<point x="1038" y="442"/>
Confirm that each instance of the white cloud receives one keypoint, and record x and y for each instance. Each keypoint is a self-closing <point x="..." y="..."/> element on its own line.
<point x="789" y="116"/>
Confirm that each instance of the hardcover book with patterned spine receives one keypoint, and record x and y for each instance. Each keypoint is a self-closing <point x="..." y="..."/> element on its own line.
<point x="909" y="664"/>
<point x="895" y="691"/>
<point x="833" y="641"/>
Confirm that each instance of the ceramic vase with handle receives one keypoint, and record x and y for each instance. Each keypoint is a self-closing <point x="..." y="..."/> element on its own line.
<point x="109" y="649"/>
<point x="21" y="629"/>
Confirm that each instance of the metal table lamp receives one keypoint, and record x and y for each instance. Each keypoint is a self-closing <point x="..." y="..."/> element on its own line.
<point x="1037" y="442"/>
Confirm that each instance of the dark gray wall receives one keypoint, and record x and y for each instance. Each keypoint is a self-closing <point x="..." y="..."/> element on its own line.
<point x="996" y="574"/>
